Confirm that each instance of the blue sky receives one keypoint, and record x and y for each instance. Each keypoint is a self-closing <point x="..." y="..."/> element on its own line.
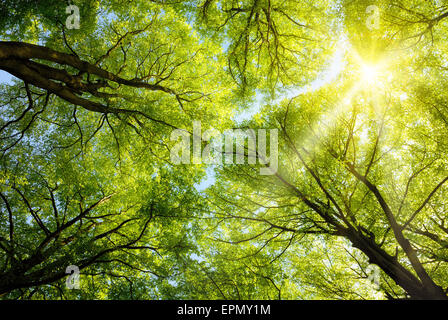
<point x="5" y="77"/>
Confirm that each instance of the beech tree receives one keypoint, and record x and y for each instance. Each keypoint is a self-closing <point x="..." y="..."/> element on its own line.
<point x="85" y="156"/>
<point x="361" y="177"/>
<point x="356" y="209"/>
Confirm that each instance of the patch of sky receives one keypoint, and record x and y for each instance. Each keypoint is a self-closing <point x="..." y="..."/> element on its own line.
<point x="196" y="257"/>
<point x="208" y="180"/>
<point x="5" y="77"/>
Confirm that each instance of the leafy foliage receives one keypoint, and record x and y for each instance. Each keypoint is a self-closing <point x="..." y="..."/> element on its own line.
<point x="87" y="179"/>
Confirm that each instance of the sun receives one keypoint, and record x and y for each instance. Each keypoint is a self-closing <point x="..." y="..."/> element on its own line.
<point x="370" y="74"/>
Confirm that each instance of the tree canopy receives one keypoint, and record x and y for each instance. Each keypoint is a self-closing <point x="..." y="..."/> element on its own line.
<point x="355" y="90"/>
